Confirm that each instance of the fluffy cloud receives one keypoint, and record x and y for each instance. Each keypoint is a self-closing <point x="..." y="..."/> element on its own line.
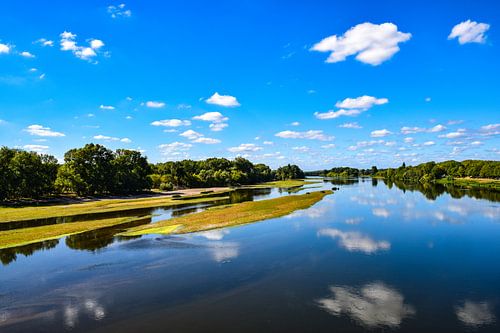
<point x="175" y="150"/>
<point x="245" y="147"/>
<point x="106" y="107"/>
<point x="216" y="118"/>
<point x="155" y="104"/>
<point x="68" y="43"/>
<point x="453" y="135"/>
<point x="171" y="123"/>
<point x="372" y="305"/>
<point x="36" y="148"/>
<point x="223" y="100"/>
<point x="309" y="135"/>
<point x="380" y="133"/>
<point x="26" y="54"/>
<point x="412" y="130"/>
<point x="39" y="130"/>
<point x="355" y="241"/>
<point x="352" y="107"/>
<point x="350" y="125"/>
<point x="4" y="48"/>
<point x="489" y="130"/>
<point x="469" y="32"/>
<point x="381" y="212"/>
<point x="119" y="11"/>
<point x="198" y="137"/>
<point x="110" y="138"/>
<point x="429" y="143"/>
<point x="371" y="43"/>
<point x="295" y="123"/>
<point x="44" y="42"/>
<point x="191" y="135"/>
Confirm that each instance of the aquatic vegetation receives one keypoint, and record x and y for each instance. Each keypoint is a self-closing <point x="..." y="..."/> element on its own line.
<point x="231" y="215"/>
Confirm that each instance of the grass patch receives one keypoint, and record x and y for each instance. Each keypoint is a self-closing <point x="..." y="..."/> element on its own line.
<point x="231" y="215"/>
<point x="485" y="183"/>
<point x="25" y="236"/>
<point x="168" y="229"/>
<point x="10" y="214"/>
<point x="290" y="183"/>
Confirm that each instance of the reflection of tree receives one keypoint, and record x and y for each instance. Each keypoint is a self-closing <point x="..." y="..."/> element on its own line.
<point x="98" y="239"/>
<point x="432" y="191"/>
<point x="9" y="255"/>
<point x="342" y="181"/>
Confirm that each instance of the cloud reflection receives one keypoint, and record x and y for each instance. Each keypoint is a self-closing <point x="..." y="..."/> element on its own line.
<point x="372" y="305"/>
<point x="224" y="251"/>
<point x="475" y="313"/>
<point x="354" y="241"/>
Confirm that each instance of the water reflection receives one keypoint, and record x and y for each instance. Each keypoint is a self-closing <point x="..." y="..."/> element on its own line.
<point x="354" y="241"/>
<point x="475" y="314"/>
<point x="9" y="255"/>
<point x="372" y="305"/>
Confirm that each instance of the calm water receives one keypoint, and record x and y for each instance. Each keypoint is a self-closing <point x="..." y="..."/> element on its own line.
<point x="370" y="257"/>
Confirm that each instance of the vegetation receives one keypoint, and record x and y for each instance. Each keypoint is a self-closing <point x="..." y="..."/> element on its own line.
<point x="24" y="236"/>
<point x="9" y="214"/>
<point x="449" y="170"/>
<point x="231" y="215"/>
<point x="289" y="172"/>
<point x="344" y="172"/>
<point x="287" y="183"/>
<point x="94" y="170"/>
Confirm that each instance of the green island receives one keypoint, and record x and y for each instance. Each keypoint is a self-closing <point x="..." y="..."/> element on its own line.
<point x="230" y="215"/>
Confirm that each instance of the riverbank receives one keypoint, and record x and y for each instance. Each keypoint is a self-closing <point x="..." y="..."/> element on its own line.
<point x="487" y="183"/>
<point x="230" y="215"/>
<point x="116" y="204"/>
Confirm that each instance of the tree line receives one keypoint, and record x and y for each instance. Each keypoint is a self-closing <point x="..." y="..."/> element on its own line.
<point x="97" y="170"/>
<point x="431" y="171"/>
<point x="344" y="172"/>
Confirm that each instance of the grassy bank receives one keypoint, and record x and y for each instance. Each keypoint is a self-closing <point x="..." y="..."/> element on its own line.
<point x="472" y="182"/>
<point x="287" y="183"/>
<point x="231" y="215"/>
<point x="9" y="214"/>
<point x="24" y="236"/>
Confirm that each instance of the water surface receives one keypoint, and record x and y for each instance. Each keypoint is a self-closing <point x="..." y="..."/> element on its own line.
<point x="370" y="257"/>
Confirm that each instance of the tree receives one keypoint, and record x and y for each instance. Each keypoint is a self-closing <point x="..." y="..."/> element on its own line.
<point x="131" y="171"/>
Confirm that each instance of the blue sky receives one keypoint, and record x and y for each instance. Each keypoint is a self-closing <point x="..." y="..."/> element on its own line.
<point x="319" y="84"/>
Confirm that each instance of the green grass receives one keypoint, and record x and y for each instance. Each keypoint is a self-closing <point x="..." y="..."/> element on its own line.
<point x="473" y="182"/>
<point x="287" y="183"/>
<point x="231" y="215"/>
<point x="25" y="236"/>
<point x="10" y="214"/>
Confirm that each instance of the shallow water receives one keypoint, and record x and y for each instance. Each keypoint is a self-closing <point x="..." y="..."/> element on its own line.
<point x="370" y="257"/>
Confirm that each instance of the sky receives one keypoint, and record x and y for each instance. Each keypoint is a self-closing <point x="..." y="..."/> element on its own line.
<point x="315" y="83"/>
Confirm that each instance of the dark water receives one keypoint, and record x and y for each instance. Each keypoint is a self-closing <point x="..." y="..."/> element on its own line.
<point x="371" y="257"/>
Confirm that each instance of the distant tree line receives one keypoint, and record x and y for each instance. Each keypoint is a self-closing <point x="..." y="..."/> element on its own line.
<point x="96" y="170"/>
<point x="344" y="172"/>
<point x="431" y="171"/>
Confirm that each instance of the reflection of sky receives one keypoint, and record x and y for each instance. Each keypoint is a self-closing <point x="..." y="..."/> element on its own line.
<point x="475" y="313"/>
<point x="354" y="241"/>
<point x="374" y="304"/>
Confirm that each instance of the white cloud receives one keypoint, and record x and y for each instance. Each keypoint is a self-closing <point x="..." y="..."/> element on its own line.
<point x="310" y="135"/>
<point x="412" y="130"/>
<point x="409" y="140"/>
<point x="245" y="147"/>
<point x="355" y="241"/>
<point x="328" y="146"/>
<point x="223" y="100"/>
<point x="350" y="125"/>
<point x="475" y="313"/>
<point x="27" y="54"/>
<point x="437" y="128"/>
<point x="217" y="127"/>
<point x="380" y="133"/>
<point x="36" y="148"/>
<point x="191" y="135"/>
<point x="268" y="143"/>
<point x="469" y="32"/>
<point x="4" y="48"/>
<point x="68" y="43"/>
<point x="295" y="123"/>
<point x="373" y="305"/>
<point x="171" y="123"/>
<point x="155" y="104"/>
<point x="207" y="141"/>
<point x="302" y="149"/>
<point x="491" y="129"/>
<point x="39" y="130"/>
<point x="352" y="107"/>
<point x="215" y="117"/>
<point x="453" y="135"/>
<point x="428" y="99"/>
<point x="175" y="149"/>
<point x="110" y="138"/>
<point x="119" y="11"/>
<point x="381" y="212"/>
<point x="371" y="43"/>
<point x="44" y="42"/>
<point x="106" y="107"/>
<point x="429" y="143"/>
